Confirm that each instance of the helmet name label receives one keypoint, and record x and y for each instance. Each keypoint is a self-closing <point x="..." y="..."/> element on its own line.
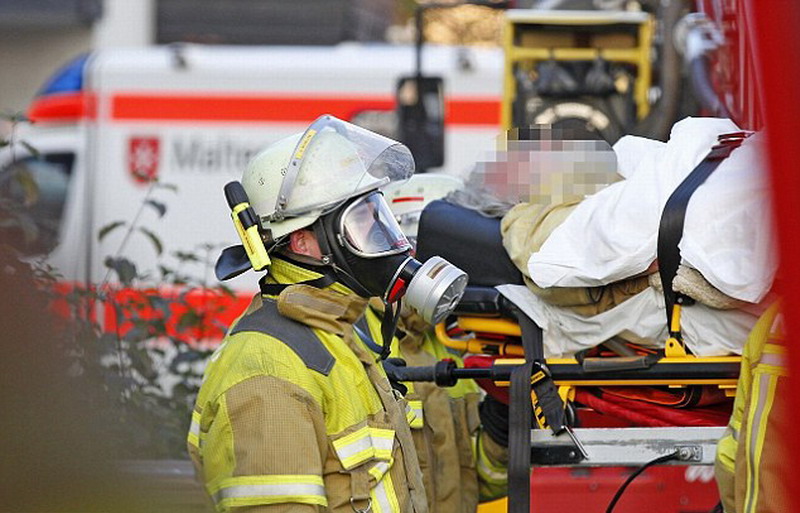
<point x="301" y="148"/>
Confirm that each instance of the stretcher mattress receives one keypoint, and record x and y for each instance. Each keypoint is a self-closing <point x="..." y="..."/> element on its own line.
<point x="706" y="331"/>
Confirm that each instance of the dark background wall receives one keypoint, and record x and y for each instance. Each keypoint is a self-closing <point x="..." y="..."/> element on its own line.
<point x="285" y="22"/>
<point x="48" y="13"/>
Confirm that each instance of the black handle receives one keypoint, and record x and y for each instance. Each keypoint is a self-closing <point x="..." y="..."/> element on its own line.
<point x="397" y="371"/>
<point x="234" y="194"/>
<point x="444" y="373"/>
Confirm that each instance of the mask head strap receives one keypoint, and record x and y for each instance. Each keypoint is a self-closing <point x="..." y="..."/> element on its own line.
<point x="274" y="289"/>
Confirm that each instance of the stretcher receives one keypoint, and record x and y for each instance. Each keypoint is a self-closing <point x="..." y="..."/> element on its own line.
<point x="487" y="323"/>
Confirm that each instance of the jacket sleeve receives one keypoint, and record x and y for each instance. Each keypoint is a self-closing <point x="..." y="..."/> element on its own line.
<point x="491" y="449"/>
<point x="269" y="448"/>
<point x="491" y="461"/>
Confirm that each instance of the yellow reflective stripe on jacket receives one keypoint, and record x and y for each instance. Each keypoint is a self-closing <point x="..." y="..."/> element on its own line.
<point x="384" y="498"/>
<point x="726" y="448"/>
<point x="194" y="430"/>
<point x="415" y="415"/>
<point x="487" y="470"/>
<point x="763" y="398"/>
<point x="364" y="444"/>
<point x="275" y="489"/>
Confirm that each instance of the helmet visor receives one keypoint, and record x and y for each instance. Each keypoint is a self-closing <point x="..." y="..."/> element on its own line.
<point x="370" y="230"/>
<point x="334" y="161"/>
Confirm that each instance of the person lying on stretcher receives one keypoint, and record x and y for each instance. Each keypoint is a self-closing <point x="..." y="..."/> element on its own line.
<point x="581" y="222"/>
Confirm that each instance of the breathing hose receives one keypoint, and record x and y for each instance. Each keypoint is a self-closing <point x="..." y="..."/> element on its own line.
<point x="637" y="473"/>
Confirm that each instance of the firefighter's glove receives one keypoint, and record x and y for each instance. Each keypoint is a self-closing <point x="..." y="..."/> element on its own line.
<point x="494" y="419"/>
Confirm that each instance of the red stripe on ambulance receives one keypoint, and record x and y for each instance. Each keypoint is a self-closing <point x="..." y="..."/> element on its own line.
<point x="62" y="107"/>
<point x="283" y="109"/>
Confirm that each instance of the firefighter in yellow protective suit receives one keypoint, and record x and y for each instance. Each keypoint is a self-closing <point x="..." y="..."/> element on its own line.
<point x="750" y="458"/>
<point x="295" y="412"/>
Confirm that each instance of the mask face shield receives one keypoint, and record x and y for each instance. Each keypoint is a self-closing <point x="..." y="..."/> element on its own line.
<point x="370" y="230"/>
<point x="373" y="257"/>
<point x="334" y="161"/>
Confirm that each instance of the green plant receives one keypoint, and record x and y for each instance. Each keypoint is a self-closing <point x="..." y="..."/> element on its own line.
<point x="134" y="340"/>
<point x="157" y="322"/>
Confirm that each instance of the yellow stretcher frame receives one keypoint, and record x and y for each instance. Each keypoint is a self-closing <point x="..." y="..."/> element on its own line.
<point x="639" y="55"/>
<point x="501" y="326"/>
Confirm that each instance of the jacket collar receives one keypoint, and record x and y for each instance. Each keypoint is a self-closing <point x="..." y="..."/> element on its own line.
<point x="333" y="308"/>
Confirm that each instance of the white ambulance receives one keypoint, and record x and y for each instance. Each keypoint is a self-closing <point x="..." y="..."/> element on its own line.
<point x="192" y="116"/>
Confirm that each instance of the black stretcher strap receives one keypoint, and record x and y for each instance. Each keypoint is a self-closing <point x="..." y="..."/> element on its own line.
<point x="549" y="411"/>
<point x="520" y="412"/>
<point x="670" y="230"/>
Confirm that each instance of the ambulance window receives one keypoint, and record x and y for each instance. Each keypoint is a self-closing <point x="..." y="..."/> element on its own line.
<point x="383" y="122"/>
<point x="36" y="188"/>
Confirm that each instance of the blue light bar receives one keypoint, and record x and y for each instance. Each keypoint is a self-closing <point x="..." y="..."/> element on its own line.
<point x="68" y="79"/>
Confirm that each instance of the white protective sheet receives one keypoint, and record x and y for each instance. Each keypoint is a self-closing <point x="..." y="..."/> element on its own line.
<point x="707" y="332"/>
<point x="612" y="235"/>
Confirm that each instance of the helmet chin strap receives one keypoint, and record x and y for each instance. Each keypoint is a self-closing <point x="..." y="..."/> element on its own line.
<point x="391" y="315"/>
<point x="274" y="289"/>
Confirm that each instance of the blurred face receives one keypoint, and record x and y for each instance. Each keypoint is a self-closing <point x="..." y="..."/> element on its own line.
<point x="547" y="170"/>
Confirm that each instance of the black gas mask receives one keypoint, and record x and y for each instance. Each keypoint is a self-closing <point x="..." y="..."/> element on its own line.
<point x="369" y="253"/>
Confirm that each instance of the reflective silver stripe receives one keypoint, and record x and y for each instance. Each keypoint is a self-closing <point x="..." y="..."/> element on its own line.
<point x="383" y="444"/>
<point x="194" y="430"/>
<point x="416" y="408"/>
<point x="755" y="429"/>
<point x="772" y="359"/>
<point x="352" y="449"/>
<point x="270" y="490"/>
<point x="364" y="444"/>
<point x="381" y="500"/>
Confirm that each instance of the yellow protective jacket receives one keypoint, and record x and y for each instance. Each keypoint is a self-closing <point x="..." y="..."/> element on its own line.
<point x="294" y="414"/>
<point x="461" y="464"/>
<point x="751" y="460"/>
